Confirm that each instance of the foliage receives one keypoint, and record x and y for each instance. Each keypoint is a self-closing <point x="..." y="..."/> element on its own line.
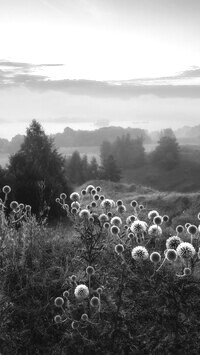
<point x="167" y="153"/>
<point x="97" y="288"/>
<point x="37" y="171"/>
<point x="110" y="171"/>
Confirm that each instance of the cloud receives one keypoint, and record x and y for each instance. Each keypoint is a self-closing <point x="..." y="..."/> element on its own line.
<point x="13" y="74"/>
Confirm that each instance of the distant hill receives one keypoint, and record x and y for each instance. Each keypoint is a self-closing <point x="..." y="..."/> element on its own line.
<point x="188" y="135"/>
<point x="72" y="138"/>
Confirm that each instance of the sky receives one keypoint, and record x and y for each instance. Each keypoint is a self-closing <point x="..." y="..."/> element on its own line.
<point x="92" y="63"/>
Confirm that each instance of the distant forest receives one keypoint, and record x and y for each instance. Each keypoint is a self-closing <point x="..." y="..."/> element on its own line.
<point x="80" y="138"/>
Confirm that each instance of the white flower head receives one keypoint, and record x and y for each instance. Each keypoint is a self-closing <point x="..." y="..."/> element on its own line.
<point x="185" y="250"/>
<point x="140" y="253"/>
<point x="155" y="231"/>
<point x="152" y="214"/>
<point x="81" y="292"/>
<point x="116" y="221"/>
<point x="138" y="227"/>
<point x="173" y="242"/>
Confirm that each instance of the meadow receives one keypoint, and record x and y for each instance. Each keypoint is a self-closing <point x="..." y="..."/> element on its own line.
<point x="119" y="274"/>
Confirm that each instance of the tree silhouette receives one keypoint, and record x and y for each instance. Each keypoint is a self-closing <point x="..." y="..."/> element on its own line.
<point x="111" y="170"/>
<point x="37" y="170"/>
<point x="167" y="153"/>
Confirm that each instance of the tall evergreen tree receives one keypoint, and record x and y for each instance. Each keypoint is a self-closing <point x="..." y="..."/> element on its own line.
<point x="37" y="170"/>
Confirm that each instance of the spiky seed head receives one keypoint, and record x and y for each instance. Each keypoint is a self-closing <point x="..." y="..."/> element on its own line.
<point x="66" y="294"/>
<point x="121" y="209"/>
<point x="57" y="200"/>
<point x="95" y="302"/>
<point x="96" y="197"/>
<point x="152" y="214"/>
<point x="85" y="214"/>
<point x="93" y="192"/>
<point x="59" y="301"/>
<point x="83" y="192"/>
<point x="74" y="210"/>
<point x="98" y="188"/>
<point x="138" y="227"/>
<point x="171" y="255"/>
<point x="141" y="207"/>
<point x="155" y="231"/>
<point x="90" y="270"/>
<point x="187" y="225"/>
<point x="94" y="204"/>
<point x="165" y="218"/>
<point x="179" y="229"/>
<point x="119" y="203"/>
<point x="106" y="225"/>
<point x="130" y="235"/>
<point x="75" y="196"/>
<point x="75" y="324"/>
<point x="84" y="317"/>
<point x="192" y="229"/>
<point x="89" y="188"/>
<point x="119" y="249"/>
<point x="102" y="197"/>
<point x="57" y="319"/>
<point x="81" y="292"/>
<point x="106" y="203"/>
<point x="109" y="214"/>
<point x="75" y="204"/>
<point x="28" y="208"/>
<point x="158" y="220"/>
<point x="140" y="253"/>
<point x="173" y="242"/>
<point x="187" y="271"/>
<point x="116" y="221"/>
<point x="114" y="230"/>
<point x="63" y="196"/>
<point x="185" y="250"/>
<point x="155" y="257"/>
<point x="14" y="205"/>
<point x="6" y="189"/>
<point x="73" y="278"/>
<point x="99" y="290"/>
<point x="134" y="203"/>
<point x="103" y="218"/>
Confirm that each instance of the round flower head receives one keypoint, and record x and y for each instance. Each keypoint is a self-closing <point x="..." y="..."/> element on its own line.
<point x="63" y="196"/>
<point x="81" y="292"/>
<point x="155" y="257"/>
<point x="187" y="225"/>
<point x="95" y="302"/>
<point x="102" y="197"/>
<point x="138" y="227"/>
<point x="74" y="210"/>
<point x="109" y="214"/>
<point x="119" y="203"/>
<point x="134" y="203"/>
<point x="192" y="229"/>
<point x="98" y="188"/>
<point x="73" y="278"/>
<point x="57" y="200"/>
<point x="65" y="294"/>
<point x="125" y="226"/>
<point x="59" y="301"/>
<point x="83" y="192"/>
<point x="121" y="209"/>
<point x="185" y="250"/>
<point x="130" y="235"/>
<point x="91" y="219"/>
<point x="75" y="196"/>
<point x="21" y="206"/>
<point x="114" y="230"/>
<point x="187" y="271"/>
<point x="93" y="204"/>
<point x="93" y="192"/>
<point x="141" y="207"/>
<point x="28" y="208"/>
<point x="165" y="218"/>
<point x="99" y="290"/>
<point x="103" y="218"/>
<point x="106" y="225"/>
<point x="173" y="242"/>
<point x="75" y="324"/>
<point x="152" y="214"/>
<point x="107" y="204"/>
<point x="85" y="214"/>
<point x="139" y="253"/>
<point x="171" y="255"/>
<point x="179" y="229"/>
<point x="75" y="204"/>
<point x="116" y="221"/>
<point x="90" y="270"/>
<point x="96" y="197"/>
<point x="158" y="220"/>
<point x="84" y="317"/>
<point x="155" y="231"/>
<point x="14" y="205"/>
<point x="89" y="188"/>
<point x="57" y="319"/>
<point x="119" y="248"/>
<point x="6" y="189"/>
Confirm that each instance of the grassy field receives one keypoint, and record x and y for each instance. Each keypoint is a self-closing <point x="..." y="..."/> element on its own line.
<point x="90" y="287"/>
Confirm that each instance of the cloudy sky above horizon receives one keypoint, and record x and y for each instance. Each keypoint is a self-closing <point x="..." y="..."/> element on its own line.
<point x="93" y="63"/>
